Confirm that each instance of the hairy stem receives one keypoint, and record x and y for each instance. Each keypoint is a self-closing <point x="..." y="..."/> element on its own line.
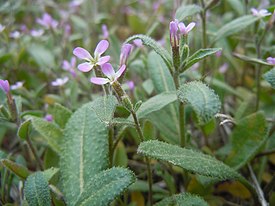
<point x="204" y="36"/>
<point x="36" y="156"/>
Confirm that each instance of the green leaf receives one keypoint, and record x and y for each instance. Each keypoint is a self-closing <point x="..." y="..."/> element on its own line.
<point x="36" y="190"/>
<point x="42" y="56"/>
<point x="202" y="99"/>
<point x="185" y="199"/>
<point x="123" y="121"/>
<point x="235" y="26"/>
<point x="51" y="133"/>
<point x="23" y="130"/>
<point x="50" y="173"/>
<point x="84" y="151"/>
<point x="251" y="59"/>
<point x="148" y="41"/>
<point x="61" y="114"/>
<point x="188" y="159"/>
<point x="270" y="77"/>
<point x="104" y="107"/>
<point x="248" y="137"/>
<point x="156" y="103"/>
<point x="187" y="10"/>
<point x="199" y="55"/>
<point x="106" y="186"/>
<point x="17" y="169"/>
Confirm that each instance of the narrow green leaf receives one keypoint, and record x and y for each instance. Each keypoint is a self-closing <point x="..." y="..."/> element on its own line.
<point x="156" y="103"/>
<point x="17" y="169"/>
<point x="251" y="59"/>
<point x="199" y="55"/>
<point x="188" y="159"/>
<point x="248" y="137"/>
<point x="61" y="114"/>
<point x="148" y="41"/>
<point x="235" y="26"/>
<point x="51" y="133"/>
<point x="202" y="99"/>
<point x="106" y="186"/>
<point x="23" y="130"/>
<point x="84" y="151"/>
<point x="42" y="56"/>
<point x="185" y="199"/>
<point x="270" y="77"/>
<point x="37" y="191"/>
<point x="123" y="121"/>
<point x="187" y="10"/>
<point x="50" y="173"/>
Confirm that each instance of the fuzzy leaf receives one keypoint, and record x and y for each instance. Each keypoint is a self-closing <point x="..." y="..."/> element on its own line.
<point x="123" y="121"/>
<point x="84" y="151"/>
<point x="187" y="10"/>
<point x="23" y="130"/>
<point x="202" y="99"/>
<point x="188" y="159"/>
<point x="251" y="59"/>
<point x="50" y="173"/>
<point x="61" y="115"/>
<point x="36" y="190"/>
<point x="270" y="77"/>
<point x="106" y="186"/>
<point x="235" y="26"/>
<point x="248" y="137"/>
<point x="199" y="55"/>
<point x="42" y="56"/>
<point x="51" y="133"/>
<point x="148" y="41"/>
<point x="185" y="199"/>
<point x="16" y="168"/>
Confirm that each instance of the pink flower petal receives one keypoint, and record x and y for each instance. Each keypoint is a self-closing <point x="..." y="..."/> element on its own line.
<point x="73" y="62"/>
<point x="190" y="26"/>
<point x="99" y="81"/>
<point x="120" y="71"/>
<point x="4" y="85"/>
<point x="101" y="47"/>
<point x="66" y="65"/>
<point x="182" y="28"/>
<point x="103" y="60"/>
<point x="82" y="53"/>
<point x="108" y="70"/>
<point x="85" y="67"/>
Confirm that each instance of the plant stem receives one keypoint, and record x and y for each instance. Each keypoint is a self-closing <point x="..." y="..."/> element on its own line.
<point x="258" y="77"/>
<point x="204" y="37"/>
<point x="111" y="150"/>
<point x="251" y="189"/>
<point x="38" y="160"/>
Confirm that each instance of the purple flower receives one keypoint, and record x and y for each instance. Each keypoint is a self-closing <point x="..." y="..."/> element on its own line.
<point x="48" y="118"/>
<point x="218" y="53"/>
<point x="271" y="60"/>
<point x="69" y="66"/>
<point x="36" y="33"/>
<point x="81" y="53"/>
<point x="17" y="85"/>
<point x="125" y="53"/>
<point x="2" y="28"/>
<point x="110" y="73"/>
<point x="47" y="21"/>
<point x="15" y="34"/>
<point x="260" y="13"/>
<point x="186" y="29"/>
<point x="138" y="43"/>
<point x="223" y="68"/>
<point x="174" y="35"/>
<point x="4" y="85"/>
<point x="60" y="81"/>
<point x="105" y="31"/>
<point x="131" y="85"/>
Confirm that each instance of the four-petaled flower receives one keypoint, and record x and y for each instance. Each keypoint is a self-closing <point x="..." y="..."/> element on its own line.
<point x="47" y="21"/>
<point x="260" y="13"/>
<point x="271" y="60"/>
<point x="125" y="53"/>
<point x="60" y="81"/>
<point x="17" y="85"/>
<point x="97" y="60"/>
<point x="110" y="73"/>
<point x="186" y="29"/>
<point x="69" y="66"/>
<point x="4" y="85"/>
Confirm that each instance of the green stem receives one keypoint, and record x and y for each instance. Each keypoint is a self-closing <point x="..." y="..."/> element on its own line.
<point x="38" y="160"/>
<point x="111" y="150"/>
<point x="251" y="189"/>
<point x="204" y="37"/>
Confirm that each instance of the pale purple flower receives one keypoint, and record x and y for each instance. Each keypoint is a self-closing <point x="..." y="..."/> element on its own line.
<point x="218" y="53"/>
<point x="131" y="85"/>
<point x="17" y="85"/>
<point x="15" y="34"/>
<point x="223" y="68"/>
<point x="174" y="34"/>
<point x="156" y="5"/>
<point x="2" y="28"/>
<point x="75" y="3"/>
<point x="186" y="29"/>
<point x="105" y="31"/>
<point x="23" y="28"/>
<point x="138" y="43"/>
<point x="125" y="53"/>
<point x="4" y="85"/>
<point x="260" y="13"/>
<point x="60" y="81"/>
<point x="47" y="21"/>
<point x="110" y="73"/>
<point x="70" y="66"/>
<point x="271" y="60"/>
<point x="36" y="33"/>
<point x="81" y="53"/>
<point x="48" y="117"/>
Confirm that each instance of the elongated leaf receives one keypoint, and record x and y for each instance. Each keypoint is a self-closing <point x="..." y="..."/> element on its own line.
<point x="235" y="26"/>
<point x="270" y="77"/>
<point x="187" y="10"/>
<point x="106" y="186"/>
<point x="148" y="41"/>
<point x="61" y="114"/>
<point x="199" y="55"/>
<point x="249" y="135"/>
<point x="50" y="173"/>
<point x="23" y="130"/>
<point x="185" y="199"/>
<point x="37" y="191"/>
<point x="188" y="159"/>
<point x="51" y="133"/>
<point x="84" y="151"/>
<point x="202" y="99"/>
<point x="16" y="168"/>
<point x="156" y="103"/>
<point x="251" y="59"/>
<point x="42" y="56"/>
